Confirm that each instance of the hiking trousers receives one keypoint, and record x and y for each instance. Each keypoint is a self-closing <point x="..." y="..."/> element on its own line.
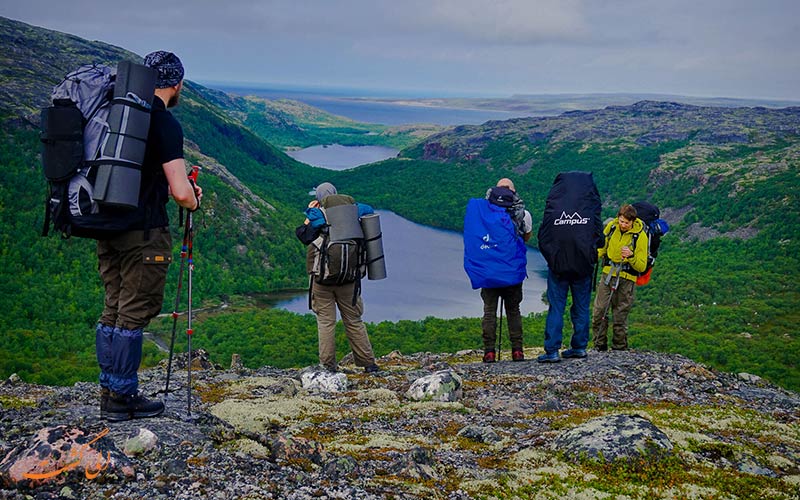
<point x="325" y="299"/>
<point x="621" y="304"/>
<point x="512" y="297"/>
<point x="134" y="272"/>
<point x="557" y="288"/>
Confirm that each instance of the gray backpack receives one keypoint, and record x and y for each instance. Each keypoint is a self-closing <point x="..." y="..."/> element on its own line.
<point x="82" y="135"/>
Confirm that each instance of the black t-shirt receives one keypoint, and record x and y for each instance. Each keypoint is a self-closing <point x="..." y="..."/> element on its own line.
<point x="164" y="144"/>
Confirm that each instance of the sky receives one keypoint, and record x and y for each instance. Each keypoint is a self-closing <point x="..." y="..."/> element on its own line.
<point x="706" y="48"/>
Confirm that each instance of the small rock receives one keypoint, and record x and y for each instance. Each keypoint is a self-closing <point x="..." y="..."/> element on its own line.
<point x="236" y="363"/>
<point x="749" y="377"/>
<point x="444" y="385"/>
<point x="479" y="433"/>
<point x="141" y="443"/>
<point x="286" y="447"/>
<point x="418" y="464"/>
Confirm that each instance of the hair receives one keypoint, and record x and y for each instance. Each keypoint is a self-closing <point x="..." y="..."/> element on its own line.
<point x="628" y="211"/>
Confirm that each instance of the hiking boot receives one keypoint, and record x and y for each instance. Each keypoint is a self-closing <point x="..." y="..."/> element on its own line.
<point x="373" y="368"/>
<point x="121" y="407"/>
<point x="489" y="357"/>
<point x="518" y="355"/>
<point x="549" y="358"/>
<point x="104" y="395"/>
<point x="601" y="348"/>
<point x="573" y="353"/>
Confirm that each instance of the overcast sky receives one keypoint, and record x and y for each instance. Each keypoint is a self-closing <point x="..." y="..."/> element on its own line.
<point x="721" y="48"/>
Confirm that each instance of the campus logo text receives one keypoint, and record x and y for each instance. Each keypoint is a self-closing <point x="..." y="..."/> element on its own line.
<point x="570" y="219"/>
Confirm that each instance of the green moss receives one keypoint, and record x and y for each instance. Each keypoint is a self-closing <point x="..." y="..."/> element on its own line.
<point x="15" y="403"/>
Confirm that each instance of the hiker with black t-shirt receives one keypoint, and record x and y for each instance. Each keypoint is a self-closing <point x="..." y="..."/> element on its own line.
<point x="345" y="293"/>
<point x="623" y="256"/>
<point x="133" y="264"/>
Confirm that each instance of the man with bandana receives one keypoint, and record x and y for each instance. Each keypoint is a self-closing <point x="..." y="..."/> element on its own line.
<point x="133" y="264"/>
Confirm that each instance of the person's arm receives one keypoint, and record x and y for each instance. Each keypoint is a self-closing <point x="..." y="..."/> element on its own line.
<point x="527" y="226"/>
<point x="179" y="186"/>
<point x="638" y="260"/>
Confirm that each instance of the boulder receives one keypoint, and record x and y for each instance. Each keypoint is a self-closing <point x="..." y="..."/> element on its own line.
<point x="613" y="437"/>
<point x="60" y="454"/>
<point x="320" y="380"/>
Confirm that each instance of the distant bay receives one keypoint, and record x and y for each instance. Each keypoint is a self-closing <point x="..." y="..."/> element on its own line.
<point x="373" y="111"/>
<point x="425" y="277"/>
<point x="338" y="157"/>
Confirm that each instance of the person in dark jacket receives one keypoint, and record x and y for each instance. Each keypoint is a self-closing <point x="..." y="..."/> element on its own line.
<point x="133" y="264"/>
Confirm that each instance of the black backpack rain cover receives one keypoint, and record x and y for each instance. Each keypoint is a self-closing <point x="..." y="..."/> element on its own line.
<point x="571" y="229"/>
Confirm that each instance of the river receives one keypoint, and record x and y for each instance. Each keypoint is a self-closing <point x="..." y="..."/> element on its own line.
<point x="425" y="277"/>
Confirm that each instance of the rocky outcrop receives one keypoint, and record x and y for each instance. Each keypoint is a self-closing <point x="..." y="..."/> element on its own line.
<point x="620" y="424"/>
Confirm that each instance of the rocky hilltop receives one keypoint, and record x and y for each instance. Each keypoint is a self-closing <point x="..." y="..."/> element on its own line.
<point x="642" y="124"/>
<point x="621" y="425"/>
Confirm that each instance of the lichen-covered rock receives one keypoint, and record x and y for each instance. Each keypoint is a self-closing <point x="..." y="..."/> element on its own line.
<point x="417" y="463"/>
<point x="288" y="448"/>
<point x="318" y="380"/>
<point x="479" y="433"/>
<point x="60" y="454"/>
<point x="141" y="443"/>
<point x="444" y="385"/>
<point x="613" y="437"/>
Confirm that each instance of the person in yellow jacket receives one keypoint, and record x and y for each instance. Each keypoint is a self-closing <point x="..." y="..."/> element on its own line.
<point x="623" y="255"/>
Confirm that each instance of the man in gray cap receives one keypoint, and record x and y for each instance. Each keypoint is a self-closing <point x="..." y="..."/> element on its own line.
<point x="324" y="299"/>
<point x="133" y="264"/>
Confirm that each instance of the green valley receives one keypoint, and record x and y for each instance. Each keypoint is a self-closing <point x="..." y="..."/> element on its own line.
<point x="724" y="292"/>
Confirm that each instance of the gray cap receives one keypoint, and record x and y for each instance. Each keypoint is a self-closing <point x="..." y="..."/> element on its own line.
<point x="323" y="190"/>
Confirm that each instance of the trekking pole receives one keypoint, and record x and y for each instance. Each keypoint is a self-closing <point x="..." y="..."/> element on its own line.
<point x="500" y="335"/>
<point x="190" y="231"/>
<point x="177" y="304"/>
<point x="617" y="270"/>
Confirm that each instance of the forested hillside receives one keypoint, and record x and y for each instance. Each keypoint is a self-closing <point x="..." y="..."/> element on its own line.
<point x="724" y="289"/>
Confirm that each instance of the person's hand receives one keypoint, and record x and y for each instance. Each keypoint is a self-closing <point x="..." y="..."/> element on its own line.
<point x="626" y="252"/>
<point x="313" y="204"/>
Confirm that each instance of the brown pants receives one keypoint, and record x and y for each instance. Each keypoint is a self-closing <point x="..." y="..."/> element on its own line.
<point x="134" y="272"/>
<point x="621" y="304"/>
<point x="324" y="301"/>
<point x="512" y="297"/>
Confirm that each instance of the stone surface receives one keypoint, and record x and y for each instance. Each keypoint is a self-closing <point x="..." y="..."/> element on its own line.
<point x="444" y="385"/>
<point x="258" y="434"/>
<point x="613" y="437"/>
<point x="323" y="381"/>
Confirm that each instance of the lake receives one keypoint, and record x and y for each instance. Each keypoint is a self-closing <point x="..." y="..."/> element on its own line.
<point x="425" y="277"/>
<point x="338" y="157"/>
<point x="367" y="111"/>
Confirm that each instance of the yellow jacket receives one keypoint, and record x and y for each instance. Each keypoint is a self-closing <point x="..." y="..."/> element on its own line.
<point x="613" y="248"/>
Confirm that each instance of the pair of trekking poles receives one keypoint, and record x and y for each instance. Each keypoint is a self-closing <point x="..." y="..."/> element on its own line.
<point x="187" y="248"/>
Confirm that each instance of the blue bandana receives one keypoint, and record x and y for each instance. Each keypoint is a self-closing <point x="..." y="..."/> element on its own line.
<point x="169" y="67"/>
